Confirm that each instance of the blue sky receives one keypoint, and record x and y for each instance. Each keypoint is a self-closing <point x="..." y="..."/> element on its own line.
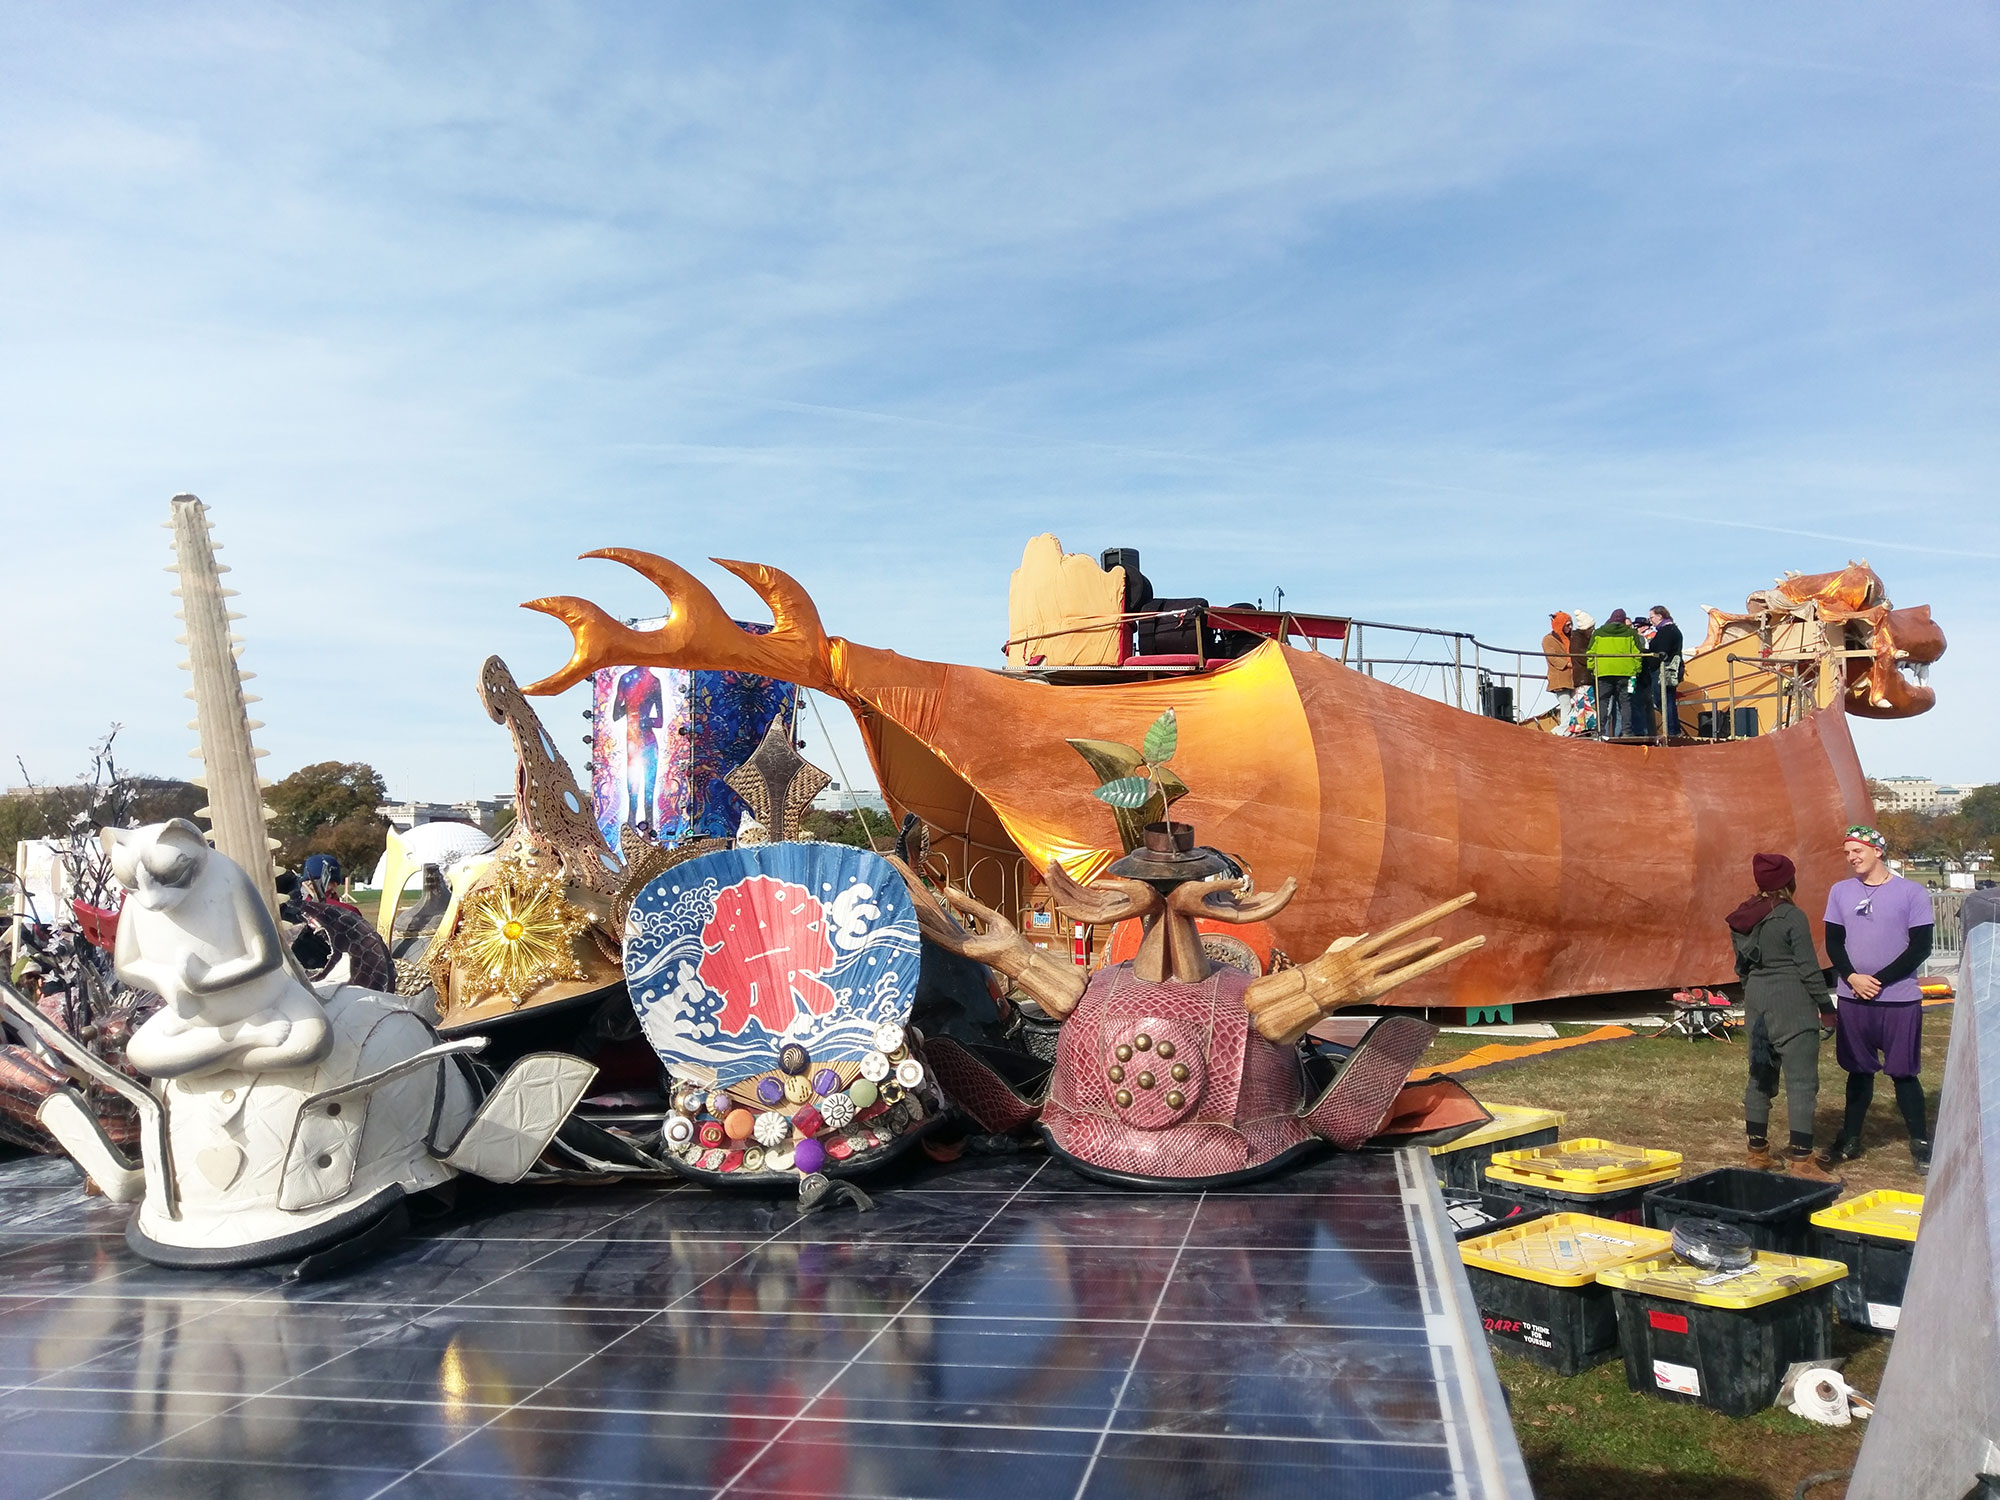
<point x="1438" y="313"/>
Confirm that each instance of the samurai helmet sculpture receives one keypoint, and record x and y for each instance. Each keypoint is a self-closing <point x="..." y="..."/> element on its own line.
<point x="1172" y="1070"/>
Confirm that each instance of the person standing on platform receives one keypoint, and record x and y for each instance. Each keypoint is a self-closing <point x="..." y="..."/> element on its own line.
<point x="1656" y="698"/>
<point x="1562" y="664"/>
<point x="1784" y="994"/>
<point x="1878" y="934"/>
<point x="1614" y="661"/>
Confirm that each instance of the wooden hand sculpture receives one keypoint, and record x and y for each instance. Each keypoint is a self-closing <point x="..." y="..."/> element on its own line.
<point x="1352" y="971"/>
<point x="1054" y="986"/>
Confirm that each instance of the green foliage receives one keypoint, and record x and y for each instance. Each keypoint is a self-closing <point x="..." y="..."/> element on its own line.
<point x="851" y="827"/>
<point x="329" y="808"/>
<point x="1122" y="766"/>
<point x="1981" y="810"/>
<point x="1127" y="791"/>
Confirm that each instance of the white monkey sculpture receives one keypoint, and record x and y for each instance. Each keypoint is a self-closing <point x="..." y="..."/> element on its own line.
<point x="284" y="1121"/>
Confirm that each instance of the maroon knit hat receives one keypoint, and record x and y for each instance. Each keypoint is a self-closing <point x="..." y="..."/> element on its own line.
<point x="1773" y="872"/>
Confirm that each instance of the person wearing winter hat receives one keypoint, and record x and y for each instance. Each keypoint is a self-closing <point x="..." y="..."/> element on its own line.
<point x="1562" y="662"/>
<point x="1784" y="993"/>
<point x="1878" y="934"/>
<point x="1614" y="657"/>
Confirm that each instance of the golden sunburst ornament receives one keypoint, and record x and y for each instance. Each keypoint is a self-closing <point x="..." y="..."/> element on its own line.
<point x="514" y="936"/>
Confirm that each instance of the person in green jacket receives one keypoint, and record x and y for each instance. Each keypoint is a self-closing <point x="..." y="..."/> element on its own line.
<point x="1615" y="655"/>
<point x="1784" y="995"/>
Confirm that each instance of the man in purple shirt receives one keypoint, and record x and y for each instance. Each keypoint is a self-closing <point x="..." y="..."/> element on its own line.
<point x="1878" y="934"/>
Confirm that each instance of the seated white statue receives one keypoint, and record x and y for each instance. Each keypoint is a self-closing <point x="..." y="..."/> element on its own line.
<point x="196" y="933"/>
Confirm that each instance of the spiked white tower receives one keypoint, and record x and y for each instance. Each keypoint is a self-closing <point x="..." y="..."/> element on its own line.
<point x="236" y="810"/>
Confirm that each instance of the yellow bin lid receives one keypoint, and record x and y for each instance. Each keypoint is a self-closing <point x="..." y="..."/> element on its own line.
<point x="1585" y="1165"/>
<point x="1563" y="1249"/>
<point x="1509" y="1120"/>
<point x="1884" y="1214"/>
<point x="1768" y="1278"/>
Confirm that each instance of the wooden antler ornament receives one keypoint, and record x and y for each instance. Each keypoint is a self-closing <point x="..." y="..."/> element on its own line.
<point x="1055" y="987"/>
<point x="1352" y="971"/>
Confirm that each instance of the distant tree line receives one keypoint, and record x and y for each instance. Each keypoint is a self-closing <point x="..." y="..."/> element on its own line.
<point x="1973" y="829"/>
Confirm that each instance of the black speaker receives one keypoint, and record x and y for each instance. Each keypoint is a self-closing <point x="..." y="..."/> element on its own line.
<point x="1138" y="592"/>
<point x="1496" y="700"/>
<point x="1746" y="723"/>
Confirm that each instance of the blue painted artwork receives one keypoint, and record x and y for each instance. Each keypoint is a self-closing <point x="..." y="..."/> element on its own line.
<point x="730" y="956"/>
<point x="663" y="740"/>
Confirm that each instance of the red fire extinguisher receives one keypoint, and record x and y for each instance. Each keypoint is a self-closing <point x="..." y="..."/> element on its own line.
<point x="1079" y="949"/>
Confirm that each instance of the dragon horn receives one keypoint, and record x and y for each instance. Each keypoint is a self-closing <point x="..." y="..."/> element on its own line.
<point x="698" y="634"/>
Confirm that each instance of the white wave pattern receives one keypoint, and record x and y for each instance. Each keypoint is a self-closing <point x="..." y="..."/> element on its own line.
<point x="873" y="980"/>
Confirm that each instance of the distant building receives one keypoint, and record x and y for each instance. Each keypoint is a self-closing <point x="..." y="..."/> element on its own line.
<point x="837" y="798"/>
<point x="1919" y="794"/>
<point x="487" y="814"/>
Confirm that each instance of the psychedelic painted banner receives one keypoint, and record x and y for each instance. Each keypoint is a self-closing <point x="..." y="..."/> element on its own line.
<point x="661" y="742"/>
<point x="730" y="956"/>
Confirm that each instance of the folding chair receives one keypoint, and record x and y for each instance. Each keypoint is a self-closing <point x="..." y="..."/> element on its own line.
<point x="1698" y="1013"/>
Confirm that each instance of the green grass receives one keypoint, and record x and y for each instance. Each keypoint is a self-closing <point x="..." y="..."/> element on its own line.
<point x="1587" y="1436"/>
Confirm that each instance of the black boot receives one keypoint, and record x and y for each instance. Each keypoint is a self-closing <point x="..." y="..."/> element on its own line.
<point x="1920" y="1153"/>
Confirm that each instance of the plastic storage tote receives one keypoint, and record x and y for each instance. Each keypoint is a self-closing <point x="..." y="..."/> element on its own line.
<point x="1774" y="1210"/>
<point x="1537" y="1289"/>
<point x="1514" y="1127"/>
<point x="1473" y="1213"/>
<point x="1589" y="1176"/>
<point x="1722" y="1339"/>
<point x="1874" y="1236"/>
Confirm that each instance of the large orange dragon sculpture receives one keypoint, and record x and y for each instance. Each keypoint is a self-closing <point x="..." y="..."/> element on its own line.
<point x="1600" y="867"/>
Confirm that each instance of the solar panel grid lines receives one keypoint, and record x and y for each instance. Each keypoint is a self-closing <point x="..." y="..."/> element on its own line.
<point x="1000" y="1327"/>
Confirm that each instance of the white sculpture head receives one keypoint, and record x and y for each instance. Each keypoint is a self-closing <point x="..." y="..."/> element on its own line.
<point x="158" y="864"/>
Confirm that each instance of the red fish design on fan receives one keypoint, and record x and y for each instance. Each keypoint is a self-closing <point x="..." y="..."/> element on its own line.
<point x="763" y="952"/>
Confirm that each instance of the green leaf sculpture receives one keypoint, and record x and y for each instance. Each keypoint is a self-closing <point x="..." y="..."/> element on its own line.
<point x="1135" y="783"/>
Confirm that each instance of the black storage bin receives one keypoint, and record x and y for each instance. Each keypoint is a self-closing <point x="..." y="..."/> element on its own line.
<point x="1473" y="1213"/>
<point x="1737" y="1357"/>
<point x="1536" y="1284"/>
<point x="1775" y="1211"/>
<point x="1627" y="1206"/>
<point x="1878" y="1273"/>
<point x="1463" y="1163"/>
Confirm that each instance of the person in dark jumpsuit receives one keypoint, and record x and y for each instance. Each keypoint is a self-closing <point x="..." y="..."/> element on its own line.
<point x="1784" y="993"/>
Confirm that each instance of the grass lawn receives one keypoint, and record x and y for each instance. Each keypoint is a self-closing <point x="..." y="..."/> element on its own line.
<point x="1587" y="1436"/>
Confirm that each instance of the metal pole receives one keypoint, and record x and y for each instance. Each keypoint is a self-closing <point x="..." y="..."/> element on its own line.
<point x="1458" y="668"/>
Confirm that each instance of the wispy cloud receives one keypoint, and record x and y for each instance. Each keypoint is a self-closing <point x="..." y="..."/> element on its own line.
<point x="1444" y="311"/>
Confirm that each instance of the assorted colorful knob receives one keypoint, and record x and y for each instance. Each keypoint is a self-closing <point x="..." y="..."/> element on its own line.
<point x="808" y="1121"/>
<point x="909" y="1073"/>
<point x="771" y="1090"/>
<point x="738" y="1124"/>
<point x="712" y="1133"/>
<point x="808" y="1156"/>
<point x="826" y="1081"/>
<point x="753" y="1159"/>
<point x="679" y="1131"/>
<point x="719" y="1102"/>
<point x="876" y="1066"/>
<point x="772" y="1128"/>
<point x="794" y="1059"/>
<point x="799" y="1090"/>
<point x="863" y="1092"/>
<point x="888" y="1037"/>
<point x="837" y="1110"/>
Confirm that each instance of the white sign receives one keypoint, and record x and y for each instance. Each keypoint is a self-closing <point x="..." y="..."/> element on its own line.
<point x="1959" y="880"/>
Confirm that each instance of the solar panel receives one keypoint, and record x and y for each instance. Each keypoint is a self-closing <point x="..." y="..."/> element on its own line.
<point x="996" y="1327"/>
